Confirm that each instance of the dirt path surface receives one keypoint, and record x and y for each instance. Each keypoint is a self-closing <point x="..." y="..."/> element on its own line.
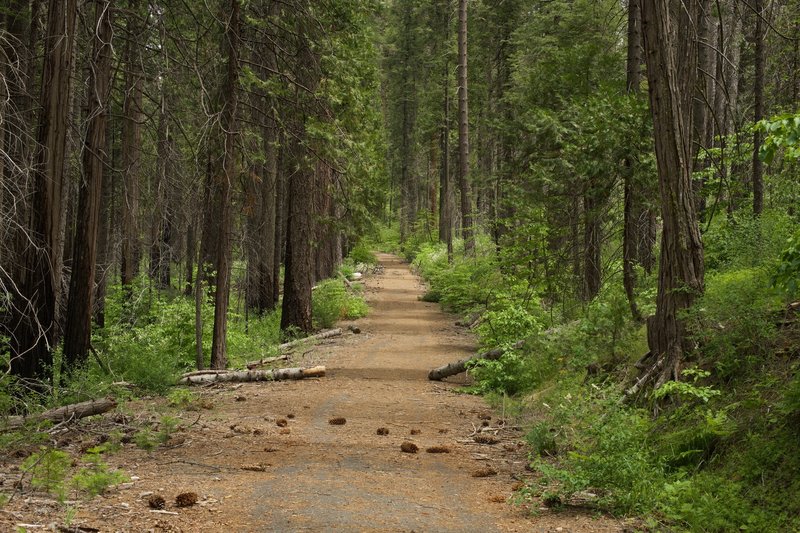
<point x="264" y="457"/>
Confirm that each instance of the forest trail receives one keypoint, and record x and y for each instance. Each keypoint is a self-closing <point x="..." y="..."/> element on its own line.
<point x="253" y="475"/>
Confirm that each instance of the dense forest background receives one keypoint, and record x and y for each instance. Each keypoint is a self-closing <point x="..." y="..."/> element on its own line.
<point x="613" y="182"/>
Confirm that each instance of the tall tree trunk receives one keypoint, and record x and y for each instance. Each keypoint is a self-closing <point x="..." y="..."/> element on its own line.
<point x="131" y="148"/>
<point x="467" y="231"/>
<point x="33" y="325"/>
<point x="445" y="201"/>
<point x="592" y="267"/>
<point x="671" y="73"/>
<point x="191" y="252"/>
<point x="758" y="109"/>
<point x="263" y="217"/>
<point x="78" y="329"/>
<point x="633" y="201"/>
<point x="225" y="178"/>
<point x="299" y="273"/>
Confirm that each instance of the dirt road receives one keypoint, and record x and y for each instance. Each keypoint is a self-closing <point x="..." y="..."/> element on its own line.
<point x="266" y="458"/>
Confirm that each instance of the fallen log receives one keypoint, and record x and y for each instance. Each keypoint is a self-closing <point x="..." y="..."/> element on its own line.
<point x="261" y="362"/>
<point x="67" y="412"/>
<point x="223" y="376"/>
<point x="318" y="336"/>
<point x="457" y="367"/>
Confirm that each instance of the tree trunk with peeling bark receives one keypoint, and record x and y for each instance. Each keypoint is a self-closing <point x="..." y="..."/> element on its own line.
<point x="671" y="72"/>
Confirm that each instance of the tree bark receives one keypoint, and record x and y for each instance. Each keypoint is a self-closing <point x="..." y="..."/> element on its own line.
<point x="299" y="270"/>
<point x="467" y="231"/>
<point x="78" y="329"/>
<point x="632" y="191"/>
<point x="219" y="357"/>
<point x="262" y="216"/>
<point x="758" y="109"/>
<point x="671" y="73"/>
<point x="445" y="194"/>
<point x="131" y="149"/>
<point x="33" y="323"/>
<point x="73" y="411"/>
<point x="252" y="375"/>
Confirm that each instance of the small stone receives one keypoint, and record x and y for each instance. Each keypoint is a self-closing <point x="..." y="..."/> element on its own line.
<point x="382" y="431"/>
<point x="281" y="423"/>
<point x="337" y="421"/>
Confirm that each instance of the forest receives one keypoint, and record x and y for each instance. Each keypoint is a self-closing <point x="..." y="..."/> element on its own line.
<point x="606" y="193"/>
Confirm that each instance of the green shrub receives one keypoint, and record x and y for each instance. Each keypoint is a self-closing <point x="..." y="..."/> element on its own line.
<point x="733" y="321"/>
<point x="96" y="478"/>
<point x="787" y="270"/>
<point x="331" y="302"/>
<point x="48" y="469"/>
<point x="710" y="503"/>
<point x="608" y="453"/>
<point x="361" y="253"/>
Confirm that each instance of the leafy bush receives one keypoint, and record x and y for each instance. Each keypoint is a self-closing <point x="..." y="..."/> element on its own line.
<point x="331" y="302"/>
<point x="361" y="253"/>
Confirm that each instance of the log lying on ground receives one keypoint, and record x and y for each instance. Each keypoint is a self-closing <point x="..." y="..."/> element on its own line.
<point x="68" y="412"/>
<point x="318" y="336"/>
<point x="261" y="362"/>
<point x="457" y="367"/>
<point x="220" y="376"/>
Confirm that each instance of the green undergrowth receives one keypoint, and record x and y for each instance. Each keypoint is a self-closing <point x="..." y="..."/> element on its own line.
<point x="713" y="452"/>
<point x="149" y="340"/>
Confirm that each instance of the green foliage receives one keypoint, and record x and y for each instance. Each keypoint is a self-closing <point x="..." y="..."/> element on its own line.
<point x="331" y="302"/>
<point x="181" y="397"/>
<point x="361" y="253"/>
<point x="159" y="345"/>
<point x="685" y="390"/>
<point x="787" y="271"/>
<point x="710" y="504"/>
<point x="783" y="133"/>
<point x="95" y="478"/>
<point x="746" y="243"/>
<point x="610" y="452"/>
<point x="48" y="469"/>
<point x="733" y="321"/>
<point x="146" y="440"/>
